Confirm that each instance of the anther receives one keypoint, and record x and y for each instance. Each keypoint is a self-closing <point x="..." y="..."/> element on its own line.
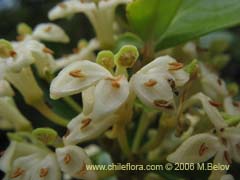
<point x="77" y="74"/>
<point x="215" y="104"/>
<point x="67" y="159"/>
<point x="175" y="66"/>
<point x="85" y="123"/>
<point x="203" y="148"/>
<point x="48" y="51"/>
<point x="150" y="83"/>
<point x="43" y="172"/>
<point x="115" y="81"/>
<point x="17" y="173"/>
<point x="13" y="54"/>
<point x="75" y="50"/>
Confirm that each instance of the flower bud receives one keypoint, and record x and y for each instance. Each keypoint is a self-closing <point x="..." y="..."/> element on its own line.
<point x="106" y="59"/>
<point x="24" y="29"/>
<point x="46" y="135"/>
<point x="6" y="49"/>
<point x="190" y="68"/>
<point x="126" y="56"/>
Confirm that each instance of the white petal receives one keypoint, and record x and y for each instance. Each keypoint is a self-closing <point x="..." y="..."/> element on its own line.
<point x="46" y="169"/>
<point x="219" y="159"/>
<point x="14" y="150"/>
<point x="197" y="148"/>
<point x="80" y="132"/>
<point x="88" y="99"/>
<point x="152" y="87"/>
<point x="68" y="8"/>
<point x="24" y="164"/>
<point x="212" y="85"/>
<point x="233" y="135"/>
<point x="84" y="75"/>
<point x="159" y="64"/>
<point x="229" y="107"/>
<point x="73" y="161"/>
<point x="211" y="111"/>
<point x="112" y="3"/>
<point x="5" y="89"/>
<point x="110" y="94"/>
<point x="50" y="32"/>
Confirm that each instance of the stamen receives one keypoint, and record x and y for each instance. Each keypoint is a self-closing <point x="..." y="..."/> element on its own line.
<point x="227" y="157"/>
<point x="62" y="5"/>
<point x="17" y="173"/>
<point x="48" y="29"/>
<point x="85" y="123"/>
<point x="67" y="159"/>
<point x="162" y="104"/>
<point x="175" y="66"/>
<point x="115" y="81"/>
<point x="43" y="172"/>
<point x="77" y="74"/>
<point x="150" y="83"/>
<point x="48" y="51"/>
<point x="203" y="148"/>
<point x="215" y="104"/>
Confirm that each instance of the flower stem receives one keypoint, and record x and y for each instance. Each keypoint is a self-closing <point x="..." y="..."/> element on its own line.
<point x="145" y="119"/>
<point x="122" y="140"/>
<point x="47" y="112"/>
<point x="73" y="104"/>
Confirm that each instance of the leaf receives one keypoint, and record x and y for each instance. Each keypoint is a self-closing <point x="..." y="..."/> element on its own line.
<point x="152" y="17"/>
<point x="172" y="22"/>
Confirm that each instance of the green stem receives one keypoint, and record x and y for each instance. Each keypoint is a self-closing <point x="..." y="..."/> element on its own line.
<point x="145" y="119"/>
<point x="73" y="104"/>
<point x="123" y="142"/>
<point x="47" y="112"/>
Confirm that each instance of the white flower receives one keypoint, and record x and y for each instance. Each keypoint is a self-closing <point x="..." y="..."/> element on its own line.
<point x="110" y="93"/>
<point x="25" y="161"/>
<point x="156" y="82"/>
<point x="74" y="161"/>
<point x="223" y="144"/>
<point x="50" y="32"/>
<point x="100" y="13"/>
<point x="86" y="52"/>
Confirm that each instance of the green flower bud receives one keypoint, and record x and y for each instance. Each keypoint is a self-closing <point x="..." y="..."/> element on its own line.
<point x="190" y="68"/>
<point x="24" y="29"/>
<point x="233" y="88"/>
<point x="47" y="136"/>
<point x="126" y="56"/>
<point x="106" y="59"/>
<point x="6" y="49"/>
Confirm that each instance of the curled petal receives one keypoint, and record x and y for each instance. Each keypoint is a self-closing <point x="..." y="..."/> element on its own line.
<point x="84" y="128"/>
<point x="152" y="88"/>
<point x="229" y="106"/>
<point x="68" y="8"/>
<point x="73" y="161"/>
<point x="210" y="109"/>
<point x="198" y="148"/>
<point x="76" y="77"/>
<point x="50" y="32"/>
